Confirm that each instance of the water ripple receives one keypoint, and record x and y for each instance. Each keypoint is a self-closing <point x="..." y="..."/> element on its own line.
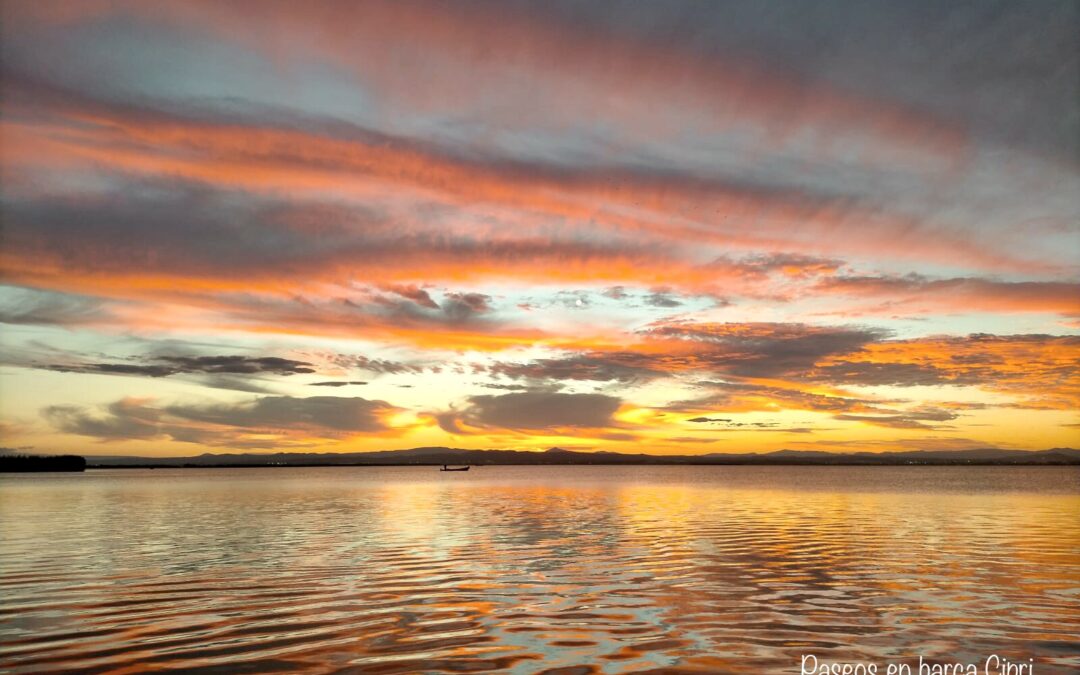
<point x="554" y="570"/>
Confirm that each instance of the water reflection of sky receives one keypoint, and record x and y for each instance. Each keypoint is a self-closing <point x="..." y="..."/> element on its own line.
<point x="520" y="569"/>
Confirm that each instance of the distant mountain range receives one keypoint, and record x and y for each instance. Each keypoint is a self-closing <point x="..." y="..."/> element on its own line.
<point x="441" y="455"/>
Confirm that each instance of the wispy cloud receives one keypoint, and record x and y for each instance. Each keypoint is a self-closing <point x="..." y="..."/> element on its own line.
<point x="628" y="222"/>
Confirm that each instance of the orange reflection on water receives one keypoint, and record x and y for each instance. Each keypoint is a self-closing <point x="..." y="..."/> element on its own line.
<point x="739" y="569"/>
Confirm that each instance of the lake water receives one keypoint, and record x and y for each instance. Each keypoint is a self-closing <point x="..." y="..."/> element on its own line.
<point x="525" y="569"/>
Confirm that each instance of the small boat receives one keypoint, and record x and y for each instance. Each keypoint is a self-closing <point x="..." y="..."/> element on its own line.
<point x="446" y="468"/>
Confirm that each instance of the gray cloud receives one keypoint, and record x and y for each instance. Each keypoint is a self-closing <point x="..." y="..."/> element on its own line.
<point x="411" y="304"/>
<point x="377" y="366"/>
<point x="125" y="419"/>
<point x="165" y="366"/>
<point x="662" y="299"/>
<point x="20" y="305"/>
<point x="534" y="411"/>
<point x="222" y="424"/>
<point x="1004" y="71"/>
<point x="731" y="424"/>
<point x="414" y="293"/>
<point x="766" y="349"/>
<point x="463" y="306"/>
<point x="917" y="419"/>
<point x="237" y="364"/>
<point x="235" y="383"/>
<point x="601" y="367"/>
<point x="738" y="349"/>
<point x="315" y="413"/>
<point x="114" y="369"/>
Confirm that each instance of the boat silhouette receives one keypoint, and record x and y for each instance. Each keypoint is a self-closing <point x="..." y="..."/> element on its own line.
<point x="446" y="468"/>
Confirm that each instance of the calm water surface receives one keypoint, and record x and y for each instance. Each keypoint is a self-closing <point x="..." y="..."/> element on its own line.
<point x="524" y="569"/>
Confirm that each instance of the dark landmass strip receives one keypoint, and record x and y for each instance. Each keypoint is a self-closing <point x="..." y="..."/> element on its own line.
<point x="434" y="456"/>
<point x="29" y="463"/>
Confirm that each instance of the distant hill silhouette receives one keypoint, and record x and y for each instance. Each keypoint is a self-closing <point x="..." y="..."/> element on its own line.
<point x="560" y="456"/>
<point x="28" y="463"/>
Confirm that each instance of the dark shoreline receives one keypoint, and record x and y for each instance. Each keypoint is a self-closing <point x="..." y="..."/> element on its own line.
<point x="438" y="456"/>
<point x="42" y="464"/>
<point x="436" y="464"/>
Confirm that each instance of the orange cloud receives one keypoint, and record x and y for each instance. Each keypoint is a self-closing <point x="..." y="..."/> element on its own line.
<point x="671" y="212"/>
<point x="918" y="294"/>
<point x="1040" y="371"/>
<point x="456" y="55"/>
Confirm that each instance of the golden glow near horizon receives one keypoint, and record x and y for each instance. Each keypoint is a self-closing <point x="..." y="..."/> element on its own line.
<point x="259" y="232"/>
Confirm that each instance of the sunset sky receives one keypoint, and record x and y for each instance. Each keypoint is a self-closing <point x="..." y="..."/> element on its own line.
<point x="677" y="227"/>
